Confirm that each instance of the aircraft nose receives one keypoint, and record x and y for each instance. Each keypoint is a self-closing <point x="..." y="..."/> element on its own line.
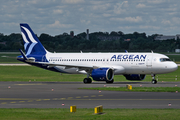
<point x="173" y="67"/>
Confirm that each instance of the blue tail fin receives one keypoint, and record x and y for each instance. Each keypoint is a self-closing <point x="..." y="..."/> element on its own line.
<point x="32" y="45"/>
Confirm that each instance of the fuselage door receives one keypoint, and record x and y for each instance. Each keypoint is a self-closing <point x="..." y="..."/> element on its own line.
<point x="149" y="61"/>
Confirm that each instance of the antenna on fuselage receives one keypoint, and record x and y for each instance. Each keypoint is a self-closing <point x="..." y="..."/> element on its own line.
<point x="81" y="51"/>
<point x="126" y="51"/>
<point x="151" y="51"/>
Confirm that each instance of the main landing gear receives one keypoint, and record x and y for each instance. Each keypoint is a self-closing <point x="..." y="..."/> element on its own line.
<point x="87" y="80"/>
<point x="107" y="81"/>
<point x="154" y="81"/>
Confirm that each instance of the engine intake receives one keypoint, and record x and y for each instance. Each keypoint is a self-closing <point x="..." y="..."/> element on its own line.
<point x="102" y="74"/>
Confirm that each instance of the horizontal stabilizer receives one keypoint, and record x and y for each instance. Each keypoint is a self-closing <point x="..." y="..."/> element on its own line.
<point x="24" y="56"/>
<point x="31" y="59"/>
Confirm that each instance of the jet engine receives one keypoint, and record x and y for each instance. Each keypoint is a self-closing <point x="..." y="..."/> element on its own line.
<point x="102" y="74"/>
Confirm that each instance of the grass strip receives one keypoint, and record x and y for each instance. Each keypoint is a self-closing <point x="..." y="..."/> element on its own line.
<point x="9" y="58"/>
<point x="137" y="89"/>
<point x="88" y="114"/>
<point x="32" y="73"/>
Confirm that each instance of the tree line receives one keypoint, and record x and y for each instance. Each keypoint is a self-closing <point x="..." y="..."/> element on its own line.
<point x="98" y="42"/>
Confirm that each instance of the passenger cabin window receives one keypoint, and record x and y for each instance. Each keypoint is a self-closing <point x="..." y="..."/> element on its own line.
<point x="164" y="59"/>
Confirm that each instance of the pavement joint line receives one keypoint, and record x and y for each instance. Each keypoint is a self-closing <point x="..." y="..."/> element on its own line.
<point x="12" y="102"/>
<point x="14" y="99"/>
<point x="69" y="97"/>
<point x="55" y="99"/>
<point x="22" y="100"/>
<point x="130" y="99"/>
<point x="85" y="96"/>
<point x="93" y="95"/>
<point x="62" y="99"/>
<point x="4" y="103"/>
<point x="46" y="99"/>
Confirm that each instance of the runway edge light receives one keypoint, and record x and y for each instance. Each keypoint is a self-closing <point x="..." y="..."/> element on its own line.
<point x="73" y="108"/>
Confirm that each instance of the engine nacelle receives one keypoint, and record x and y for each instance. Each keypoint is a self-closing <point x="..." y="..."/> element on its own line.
<point x="102" y="74"/>
<point x="135" y="76"/>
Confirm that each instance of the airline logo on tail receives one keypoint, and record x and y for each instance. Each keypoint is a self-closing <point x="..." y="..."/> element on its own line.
<point x="31" y="42"/>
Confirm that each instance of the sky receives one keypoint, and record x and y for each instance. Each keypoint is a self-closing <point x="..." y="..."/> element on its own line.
<point x="55" y="17"/>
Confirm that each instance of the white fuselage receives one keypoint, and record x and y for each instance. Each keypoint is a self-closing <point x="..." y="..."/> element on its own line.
<point x="122" y="63"/>
<point x="99" y="66"/>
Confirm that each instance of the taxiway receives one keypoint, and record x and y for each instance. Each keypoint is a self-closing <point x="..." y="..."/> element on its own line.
<point x="65" y="94"/>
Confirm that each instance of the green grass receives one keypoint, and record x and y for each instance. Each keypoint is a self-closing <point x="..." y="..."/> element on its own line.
<point x="88" y="114"/>
<point x="137" y="89"/>
<point x="9" y="58"/>
<point x="26" y="73"/>
<point x="175" y="58"/>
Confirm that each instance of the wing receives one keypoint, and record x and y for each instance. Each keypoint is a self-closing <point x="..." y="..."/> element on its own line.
<point x="87" y="68"/>
<point x="66" y="65"/>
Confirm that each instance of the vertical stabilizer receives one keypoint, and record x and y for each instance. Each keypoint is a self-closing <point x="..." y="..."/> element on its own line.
<point x="32" y="45"/>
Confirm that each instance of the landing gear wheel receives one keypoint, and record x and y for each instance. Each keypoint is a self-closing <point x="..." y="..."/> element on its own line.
<point x="110" y="81"/>
<point x="87" y="80"/>
<point x="154" y="81"/>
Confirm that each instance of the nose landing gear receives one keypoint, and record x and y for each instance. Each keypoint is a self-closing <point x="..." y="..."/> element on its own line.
<point x="154" y="81"/>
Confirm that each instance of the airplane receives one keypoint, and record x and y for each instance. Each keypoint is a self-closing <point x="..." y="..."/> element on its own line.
<point x="98" y="66"/>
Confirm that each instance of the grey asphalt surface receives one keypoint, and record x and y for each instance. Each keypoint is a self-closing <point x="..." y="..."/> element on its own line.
<point x="65" y="94"/>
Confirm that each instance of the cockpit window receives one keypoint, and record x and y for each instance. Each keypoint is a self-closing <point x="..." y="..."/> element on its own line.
<point x="164" y="59"/>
